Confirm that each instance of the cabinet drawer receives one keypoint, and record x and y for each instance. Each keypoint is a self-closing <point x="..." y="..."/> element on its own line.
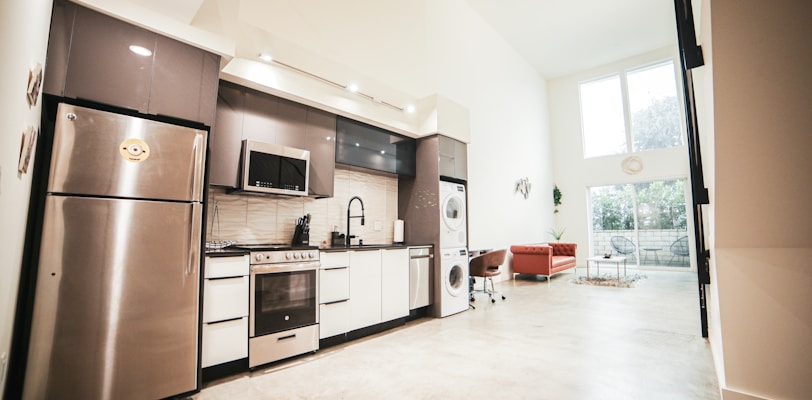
<point x="335" y="259"/>
<point x="225" y="298"/>
<point x="334" y="284"/>
<point x="224" y="341"/>
<point x="219" y="267"/>
<point x="334" y="319"/>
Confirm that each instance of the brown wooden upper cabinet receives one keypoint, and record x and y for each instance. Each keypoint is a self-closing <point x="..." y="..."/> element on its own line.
<point x="90" y="58"/>
<point x="244" y="113"/>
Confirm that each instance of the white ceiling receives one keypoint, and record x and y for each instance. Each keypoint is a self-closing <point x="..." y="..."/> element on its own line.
<point x="560" y="37"/>
<point x="557" y="37"/>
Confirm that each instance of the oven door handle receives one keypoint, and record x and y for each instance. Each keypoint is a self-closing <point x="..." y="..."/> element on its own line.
<point x="291" y="267"/>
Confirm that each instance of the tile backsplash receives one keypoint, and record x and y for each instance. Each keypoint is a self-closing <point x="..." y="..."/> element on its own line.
<point x="263" y="219"/>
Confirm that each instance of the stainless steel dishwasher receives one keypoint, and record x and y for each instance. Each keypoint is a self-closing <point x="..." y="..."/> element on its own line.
<point x="420" y="260"/>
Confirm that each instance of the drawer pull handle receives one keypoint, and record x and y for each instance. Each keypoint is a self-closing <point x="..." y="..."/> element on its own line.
<point x="225" y="320"/>
<point x="334" y="268"/>
<point x="293" y="336"/>
<point x="335" y="301"/>
<point x="221" y="278"/>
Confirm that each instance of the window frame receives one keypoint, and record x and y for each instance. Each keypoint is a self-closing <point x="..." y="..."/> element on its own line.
<point x="623" y="73"/>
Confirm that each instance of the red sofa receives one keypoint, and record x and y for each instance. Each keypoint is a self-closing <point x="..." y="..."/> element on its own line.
<point x="543" y="259"/>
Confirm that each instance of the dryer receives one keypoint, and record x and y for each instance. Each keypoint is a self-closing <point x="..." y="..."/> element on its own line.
<point x="453" y="223"/>
<point x="453" y="296"/>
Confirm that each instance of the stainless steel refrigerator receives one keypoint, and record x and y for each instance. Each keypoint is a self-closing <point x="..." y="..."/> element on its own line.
<point x="116" y="300"/>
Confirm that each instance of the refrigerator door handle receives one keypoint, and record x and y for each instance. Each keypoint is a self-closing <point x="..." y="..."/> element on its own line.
<point x="194" y="238"/>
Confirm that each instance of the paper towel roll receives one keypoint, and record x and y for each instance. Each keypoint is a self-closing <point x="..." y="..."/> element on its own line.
<point x="398" y="234"/>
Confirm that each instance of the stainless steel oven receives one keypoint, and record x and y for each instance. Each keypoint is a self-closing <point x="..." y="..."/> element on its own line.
<point x="284" y="306"/>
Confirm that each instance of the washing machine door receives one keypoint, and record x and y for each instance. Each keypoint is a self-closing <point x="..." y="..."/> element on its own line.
<point x="453" y="212"/>
<point x="455" y="280"/>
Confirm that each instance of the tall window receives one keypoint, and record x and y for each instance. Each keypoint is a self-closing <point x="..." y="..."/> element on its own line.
<point x="632" y="111"/>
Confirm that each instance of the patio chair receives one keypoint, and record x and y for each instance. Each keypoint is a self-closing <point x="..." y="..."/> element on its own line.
<point x="623" y="246"/>
<point x="679" y="249"/>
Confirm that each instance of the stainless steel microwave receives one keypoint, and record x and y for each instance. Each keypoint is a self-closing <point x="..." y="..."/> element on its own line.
<point x="274" y="169"/>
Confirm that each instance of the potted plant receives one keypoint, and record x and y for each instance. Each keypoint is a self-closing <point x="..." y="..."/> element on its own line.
<point x="556" y="198"/>
<point x="557" y="234"/>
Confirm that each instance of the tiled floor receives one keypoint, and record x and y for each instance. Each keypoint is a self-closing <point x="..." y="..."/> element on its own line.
<point x="554" y="340"/>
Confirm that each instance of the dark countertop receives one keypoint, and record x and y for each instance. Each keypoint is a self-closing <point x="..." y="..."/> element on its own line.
<point x="375" y="246"/>
<point x="227" y="252"/>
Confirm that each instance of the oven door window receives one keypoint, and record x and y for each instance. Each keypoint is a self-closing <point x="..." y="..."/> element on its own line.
<point x="284" y="300"/>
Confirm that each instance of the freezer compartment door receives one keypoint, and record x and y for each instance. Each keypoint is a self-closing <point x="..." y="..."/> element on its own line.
<point x="116" y="306"/>
<point x="99" y="153"/>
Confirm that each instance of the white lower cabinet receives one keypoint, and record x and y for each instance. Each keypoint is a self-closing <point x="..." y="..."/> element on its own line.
<point x="394" y="284"/>
<point x="224" y="341"/>
<point x="361" y="288"/>
<point x="334" y="294"/>
<point x="334" y="319"/>
<point x="365" y="288"/>
<point x="225" y="310"/>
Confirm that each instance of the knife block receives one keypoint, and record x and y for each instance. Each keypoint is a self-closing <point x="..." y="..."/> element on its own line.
<point x="300" y="238"/>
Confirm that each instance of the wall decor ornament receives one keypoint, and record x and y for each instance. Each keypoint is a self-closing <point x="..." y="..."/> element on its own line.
<point x="556" y="198"/>
<point x="34" y="84"/>
<point x="523" y="187"/>
<point x="632" y="165"/>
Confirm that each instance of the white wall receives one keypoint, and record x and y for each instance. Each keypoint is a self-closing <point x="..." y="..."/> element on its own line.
<point x="761" y="224"/>
<point x="574" y="175"/>
<point x="23" y="43"/>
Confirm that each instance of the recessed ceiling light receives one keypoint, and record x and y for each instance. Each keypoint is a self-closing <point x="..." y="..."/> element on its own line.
<point x="357" y="144"/>
<point x="265" y="57"/>
<point x="140" y="50"/>
<point x="352" y="87"/>
<point x="410" y="109"/>
<point x="328" y="137"/>
<point x="383" y="151"/>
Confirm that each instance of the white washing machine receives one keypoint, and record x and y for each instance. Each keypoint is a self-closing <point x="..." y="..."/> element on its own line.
<point x="454" y="287"/>
<point x="453" y="224"/>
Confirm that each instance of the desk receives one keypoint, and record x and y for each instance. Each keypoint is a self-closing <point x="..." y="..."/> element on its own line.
<point x="599" y="259"/>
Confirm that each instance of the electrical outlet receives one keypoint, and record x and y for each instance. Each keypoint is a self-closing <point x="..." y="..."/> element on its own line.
<point x="378" y="225"/>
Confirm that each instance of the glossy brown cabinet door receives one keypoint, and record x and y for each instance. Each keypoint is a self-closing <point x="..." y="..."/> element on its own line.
<point x="226" y="136"/>
<point x="259" y="123"/>
<point x="292" y="124"/>
<point x="56" y="65"/>
<point x="183" y="74"/>
<point x="101" y="66"/>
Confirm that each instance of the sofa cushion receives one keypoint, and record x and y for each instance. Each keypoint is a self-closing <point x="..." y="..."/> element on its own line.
<point x="563" y="261"/>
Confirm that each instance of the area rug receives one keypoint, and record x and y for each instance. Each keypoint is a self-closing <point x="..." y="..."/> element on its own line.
<point x="627" y="281"/>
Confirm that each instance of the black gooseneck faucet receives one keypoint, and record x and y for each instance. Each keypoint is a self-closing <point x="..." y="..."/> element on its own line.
<point x="349" y="217"/>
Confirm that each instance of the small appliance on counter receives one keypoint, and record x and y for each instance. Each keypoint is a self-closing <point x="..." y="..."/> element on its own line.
<point x="338" y="239"/>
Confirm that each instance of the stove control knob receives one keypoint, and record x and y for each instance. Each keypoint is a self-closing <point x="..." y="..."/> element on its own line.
<point x="312" y="254"/>
<point x="259" y="257"/>
<point x="288" y="255"/>
<point x="296" y="256"/>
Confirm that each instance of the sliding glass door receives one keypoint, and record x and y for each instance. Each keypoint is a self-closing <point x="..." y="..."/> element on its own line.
<point x="645" y="222"/>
